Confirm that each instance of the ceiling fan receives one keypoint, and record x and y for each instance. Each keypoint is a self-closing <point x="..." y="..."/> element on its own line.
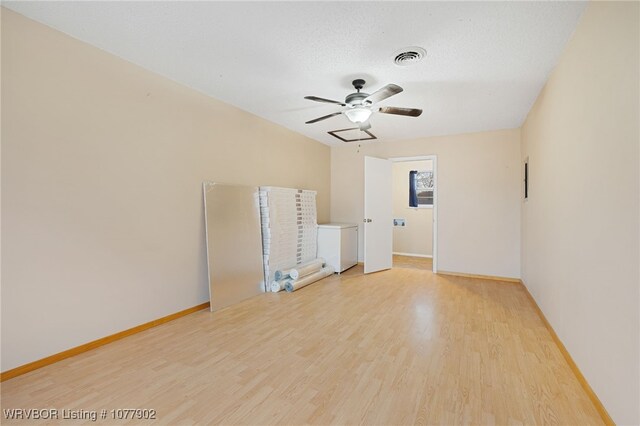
<point x="360" y="105"/>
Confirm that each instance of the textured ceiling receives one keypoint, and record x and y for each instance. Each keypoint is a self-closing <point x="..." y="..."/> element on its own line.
<point x="486" y="61"/>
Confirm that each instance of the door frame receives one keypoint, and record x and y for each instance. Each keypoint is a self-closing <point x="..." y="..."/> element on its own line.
<point x="434" y="231"/>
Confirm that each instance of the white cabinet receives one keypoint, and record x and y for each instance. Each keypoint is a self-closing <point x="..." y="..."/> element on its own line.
<point x="338" y="244"/>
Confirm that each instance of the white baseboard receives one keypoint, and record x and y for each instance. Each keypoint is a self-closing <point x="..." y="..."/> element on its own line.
<point x="413" y="254"/>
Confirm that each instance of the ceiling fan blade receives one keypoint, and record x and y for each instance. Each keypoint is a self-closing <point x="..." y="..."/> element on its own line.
<point x="381" y="94"/>
<point x="324" y="117"/>
<point x="328" y="101"/>
<point x="411" y="112"/>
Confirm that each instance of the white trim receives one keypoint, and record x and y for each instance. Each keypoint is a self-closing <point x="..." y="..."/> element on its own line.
<point x="435" y="214"/>
<point x="413" y="254"/>
<point x="434" y="168"/>
<point x="416" y="158"/>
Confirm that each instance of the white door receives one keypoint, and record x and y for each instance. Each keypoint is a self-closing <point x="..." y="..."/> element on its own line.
<point x="378" y="215"/>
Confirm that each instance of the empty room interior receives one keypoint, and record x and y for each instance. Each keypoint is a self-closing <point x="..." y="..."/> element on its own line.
<point x="322" y="213"/>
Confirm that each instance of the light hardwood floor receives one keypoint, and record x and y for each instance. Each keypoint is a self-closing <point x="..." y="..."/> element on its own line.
<point x="402" y="346"/>
<point x="423" y="263"/>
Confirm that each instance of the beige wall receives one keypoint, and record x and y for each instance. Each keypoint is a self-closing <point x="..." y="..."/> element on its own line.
<point x="478" y="196"/>
<point x="580" y="227"/>
<point x="102" y="165"/>
<point x="416" y="236"/>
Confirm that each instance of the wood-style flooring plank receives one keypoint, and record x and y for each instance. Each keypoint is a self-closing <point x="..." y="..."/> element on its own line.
<point x="402" y="346"/>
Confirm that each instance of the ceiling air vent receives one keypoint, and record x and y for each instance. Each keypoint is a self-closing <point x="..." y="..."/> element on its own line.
<point x="409" y="56"/>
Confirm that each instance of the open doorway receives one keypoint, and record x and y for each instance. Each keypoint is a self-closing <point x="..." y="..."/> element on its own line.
<point x="414" y="212"/>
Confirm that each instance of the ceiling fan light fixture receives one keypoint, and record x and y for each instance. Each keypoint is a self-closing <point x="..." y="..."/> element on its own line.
<point x="359" y="105"/>
<point x="358" y="114"/>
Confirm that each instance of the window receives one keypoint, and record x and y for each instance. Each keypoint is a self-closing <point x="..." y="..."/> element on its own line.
<point x="421" y="188"/>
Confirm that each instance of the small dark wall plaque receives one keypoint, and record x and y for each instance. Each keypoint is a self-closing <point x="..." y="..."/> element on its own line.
<point x="526" y="179"/>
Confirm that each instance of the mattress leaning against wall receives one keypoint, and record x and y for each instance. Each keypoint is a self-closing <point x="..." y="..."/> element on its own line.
<point x="234" y="246"/>
<point x="289" y="228"/>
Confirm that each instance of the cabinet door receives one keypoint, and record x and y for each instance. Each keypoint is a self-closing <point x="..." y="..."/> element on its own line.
<point x="329" y="246"/>
<point x="348" y="247"/>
